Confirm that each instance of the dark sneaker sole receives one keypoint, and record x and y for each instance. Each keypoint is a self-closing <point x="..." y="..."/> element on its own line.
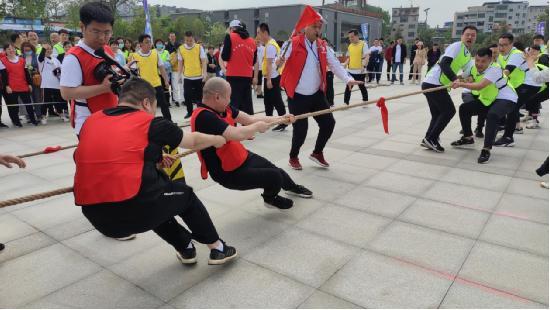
<point x="483" y="162"/>
<point x="431" y="147"/>
<point x="222" y="261"/>
<point x="127" y="238"/>
<point x="511" y="144"/>
<point x="270" y="206"/>
<point x="186" y="261"/>
<point x="298" y="194"/>
<point x="318" y="162"/>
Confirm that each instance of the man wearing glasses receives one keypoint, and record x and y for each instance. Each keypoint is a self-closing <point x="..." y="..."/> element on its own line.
<point x="78" y="83"/>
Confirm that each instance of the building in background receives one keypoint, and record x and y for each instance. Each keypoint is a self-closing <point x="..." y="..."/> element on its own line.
<point x="533" y="16"/>
<point x="404" y="23"/>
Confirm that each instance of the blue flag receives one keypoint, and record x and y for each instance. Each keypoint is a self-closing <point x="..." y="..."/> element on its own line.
<point x="148" y="29"/>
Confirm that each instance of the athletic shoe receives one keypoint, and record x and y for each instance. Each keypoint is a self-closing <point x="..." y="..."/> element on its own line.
<point x="518" y="131"/>
<point x="280" y="127"/>
<point x="479" y="133"/>
<point x="177" y="104"/>
<point x="542" y="184"/>
<point x="188" y="115"/>
<point x="401" y="83"/>
<point x="423" y="144"/>
<point x="319" y="159"/>
<point x="188" y="256"/>
<point x="300" y="191"/>
<point x="526" y="118"/>
<point x="438" y="146"/>
<point x="392" y="82"/>
<point x="461" y="132"/>
<point x="130" y="237"/>
<point x="44" y="121"/>
<point x="2" y="246"/>
<point x="260" y="96"/>
<point x="35" y="123"/>
<point x="2" y="125"/>
<point x="278" y="202"/>
<point x="295" y="163"/>
<point x="501" y="128"/>
<point x="433" y="145"/>
<point x="221" y="257"/>
<point x="463" y="141"/>
<point x="533" y="124"/>
<point x="504" y="141"/>
<point x="484" y="156"/>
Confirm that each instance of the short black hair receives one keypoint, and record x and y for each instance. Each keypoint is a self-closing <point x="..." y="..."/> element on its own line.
<point x="508" y="36"/>
<point x="484" y="52"/>
<point x="538" y="36"/>
<point x="436" y="44"/>
<point x="493" y="45"/>
<point x="416" y="39"/>
<point x="520" y="46"/>
<point x="535" y="47"/>
<point x="13" y="37"/>
<point x="113" y="41"/>
<point x="65" y="31"/>
<point x="354" y="31"/>
<point x="471" y="27"/>
<point x="391" y="42"/>
<point x="67" y="43"/>
<point x="7" y="45"/>
<point x="264" y="27"/>
<point x="142" y="37"/>
<point x="96" y="11"/>
<point x="188" y="34"/>
<point x="159" y="40"/>
<point x="136" y="90"/>
<point x="381" y="39"/>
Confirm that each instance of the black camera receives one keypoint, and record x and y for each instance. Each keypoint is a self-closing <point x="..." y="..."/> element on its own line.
<point x="57" y="72"/>
<point x="111" y="67"/>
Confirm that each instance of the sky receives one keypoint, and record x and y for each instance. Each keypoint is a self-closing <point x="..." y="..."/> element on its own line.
<point x="440" y="10"/>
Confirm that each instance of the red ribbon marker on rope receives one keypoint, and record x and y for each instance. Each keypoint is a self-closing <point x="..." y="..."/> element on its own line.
<point x="384" y="111"/>
<point x="52" y="149"/>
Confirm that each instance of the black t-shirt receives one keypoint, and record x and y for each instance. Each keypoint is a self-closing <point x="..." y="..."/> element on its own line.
<point x="161" y="132"/>
<point x="208" y="122"/>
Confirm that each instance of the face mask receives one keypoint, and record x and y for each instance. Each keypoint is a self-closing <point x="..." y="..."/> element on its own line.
<point x="160" y="46"/>
<point x="120" y="45"/>
<point x="29" y="53"/>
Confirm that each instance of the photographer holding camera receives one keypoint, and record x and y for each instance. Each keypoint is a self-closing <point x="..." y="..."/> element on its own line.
<point x="78" y="71"/>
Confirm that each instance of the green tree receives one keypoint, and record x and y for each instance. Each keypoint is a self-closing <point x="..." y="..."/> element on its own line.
<point x="216" y="34"/>
<point x="282" y="35"/>
<point x="25" y="8"/>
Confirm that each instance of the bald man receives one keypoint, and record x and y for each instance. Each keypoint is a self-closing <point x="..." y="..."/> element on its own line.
<point x="232" y="165"/>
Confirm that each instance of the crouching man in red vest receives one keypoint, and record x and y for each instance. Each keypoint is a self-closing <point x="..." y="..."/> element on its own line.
<point x="231" y="165"/>
<point x="119" y="183"/>
<point x="304" y="80"/>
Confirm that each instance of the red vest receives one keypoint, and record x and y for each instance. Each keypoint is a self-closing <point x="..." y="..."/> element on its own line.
<point x="88" y="63"/>
<point x="295" y="63"/>
<point x="110" y="157"/>
<point x="241" y="62"/>
<point x="232" y="155"/>
<point x="16" y="75"/>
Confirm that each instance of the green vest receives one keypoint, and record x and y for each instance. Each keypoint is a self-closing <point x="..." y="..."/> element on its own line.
<point x="126" y="54"/>
<point x="461" y="60"/>
<point x="544" y="85"/>
<point x="59" y="48"/>
<point x="489" y="93"/>
<point x="38" y="48"/>
<point x="165" y="56"/>
<point x="516" y="77"/>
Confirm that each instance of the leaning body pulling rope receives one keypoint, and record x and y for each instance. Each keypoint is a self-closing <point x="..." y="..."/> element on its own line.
<point x="60" y="191"/>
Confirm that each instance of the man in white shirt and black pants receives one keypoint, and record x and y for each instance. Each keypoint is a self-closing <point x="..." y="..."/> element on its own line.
<point x="304" y="80"/>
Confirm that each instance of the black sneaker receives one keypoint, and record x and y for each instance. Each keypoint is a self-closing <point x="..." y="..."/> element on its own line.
<point x="423" y="144"/>
<point x="501" y="128"/>
<point x="280" y="127"/>
<point x="504" y="141"/>
<point x="187" y="116"/>
<point x="278" y="202"/>
<point x="2" y="246"/>
<point x="221" y="257"/>
<point x="461" y="131"/>
<point x="300" y="191"/>
<point x="188" y="256"/>
<point x="177" y="104"/>
<point x="433" y="145"/>
<point x="484" y="156"/>
<point x="260" y="96"/>
<point x="463" y="141"/>
<point x="2" y="125"/>
<point x="518" y="131"/>
<point x="479" y="133"/>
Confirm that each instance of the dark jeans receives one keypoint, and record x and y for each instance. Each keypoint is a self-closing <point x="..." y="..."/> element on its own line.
<point x="118" y="220"/>
<point x="411" y="65"/>
<point x="192" y="93"/>
<point x="57" y="105"/>
<point x="256" y="172"/>
<point x="467" y="97"/>
<point x="13" y="108"/>
<point x="442" y="110"/>
<point x="273" y="98"/>
<point x="163" y="84"/>
<point x="525" y="92"/>
<point x="241" y="93"/>
<point x="301" y="104"/>
<point x="364" y="93"/>
<point x="543" y="169"/>
<point x="388" y="69"/>
<point x="330" y="88"/>
<point x="375" y="74"/>
<point x="161" y="102"/>
<point x="533" y="103"/>
<point x="394" y="69"/>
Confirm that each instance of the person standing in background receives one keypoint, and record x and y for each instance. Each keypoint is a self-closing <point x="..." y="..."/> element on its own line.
<point x="411" y="59"/>
<point x="433" y="56"/>
<point x="388" y="55"/>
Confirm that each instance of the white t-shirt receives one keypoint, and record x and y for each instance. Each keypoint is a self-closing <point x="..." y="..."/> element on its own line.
<point x="375" y="48"/>
<point x="397" y="58"/>
<point x="46" y="67"/>
<point x="364" y="53"/>
<point x="466" y="74"/>
<point x="270" y="53"/>
<point x="451" y="51"/>
<point x="202" y="56"/>
<point x="515" y="59"/>
<point x="495" y="76"/>
<point x="259" y="54"/>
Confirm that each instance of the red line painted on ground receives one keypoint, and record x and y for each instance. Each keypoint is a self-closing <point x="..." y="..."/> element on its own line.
<point x="499" y="213"/>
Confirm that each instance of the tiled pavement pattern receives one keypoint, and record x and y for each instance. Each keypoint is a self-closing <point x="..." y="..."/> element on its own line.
<point x="391" y="225"/>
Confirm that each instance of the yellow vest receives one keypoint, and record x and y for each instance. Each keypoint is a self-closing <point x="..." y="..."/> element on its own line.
<point x="355" y="52"/>
<point x="264" y="62"/>
<point x="148" y="67"/>
<point x="191" y="60"/>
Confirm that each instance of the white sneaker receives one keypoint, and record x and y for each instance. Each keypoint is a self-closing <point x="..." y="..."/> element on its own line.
<point x="532" y="124"/>
<point x="130" y="237"/>
<point x="544" y="184"/>
<point x="44" y="121"/>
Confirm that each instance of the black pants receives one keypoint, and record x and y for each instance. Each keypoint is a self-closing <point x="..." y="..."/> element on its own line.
<point x="330" y="88"/>
<point x="525" y="92"/>
<point x="58" y="104"/>
<point x="543" y="169"/>
<point x="375" y="74"/>
<point x="161" y="102"/>
<point x="388" y="69"/>
<point x="138" y="216"/>
<point x="241" y="93"/>
<point x="411" y="65"/>
<point x="273" y="98"/>
<point x="534" y="103"/>
<point x="364" y="93"/>
<point x="192" y="93"/>
<point x="166" y="93"/>
<point x="13" y="108"/>
<point x="442" y="110"/>
<point x="256" y="172"/>
<point x="467" y="97"/>
<point x="301" y="104"/>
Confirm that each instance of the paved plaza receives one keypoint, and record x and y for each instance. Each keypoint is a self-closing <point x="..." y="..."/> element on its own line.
<point x="391" y="225"/>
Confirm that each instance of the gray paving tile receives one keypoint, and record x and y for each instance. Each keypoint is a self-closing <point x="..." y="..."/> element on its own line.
<point x="527" y="188"/>
<point x="513" y="271"/>
<point x="375" y="281"/>
<point x="400" y="183"/>
<point x="69" y="229"/>
<point x="219" y="194"/>
<point x="376" y="201"/>
<point x="427" y="247"/>
<point x="417" y="169"/>
<point x="24" y="245"/>
<point x="398" y="147"/>
<point x="359" y="227"/>
<point x="102" y="290"/>
<point x="51" y="213"/>
<point x="244" y="285"/>
<point x="291" y="254"/>
<point x="463" y="196"/>
<point x="346" y="173"/>
<point x="40" y="273"/>
<point x="14" y="228"/>
<point x="326" y="189"/>
<point x="370" y="161"/>
<point x="516" y="233"/>
<point x="523" y="207"/>
<point x="442" y="216"/>
<point x="321" y="300"/>
<point x="477" y="179"/>
<point x="302" y="208"/>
